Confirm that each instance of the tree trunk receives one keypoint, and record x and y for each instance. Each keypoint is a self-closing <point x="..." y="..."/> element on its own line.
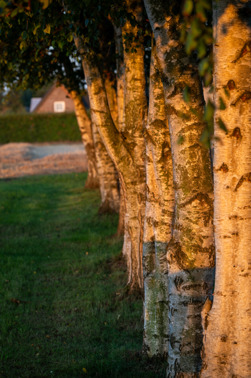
<point x="227" y="342"/>
<point x="158" y="218"/>
<point x="135" y="106"/>
<point x="112" y="100"/>
<point x="85" y="128"/>
<point x="120" y="78"/>
<point x="126" y="149"/>
<point x="108" y="176"/>
<point x="104" y="168"/>
<point x="190" y="253"/>
<point x="114" y="143"/>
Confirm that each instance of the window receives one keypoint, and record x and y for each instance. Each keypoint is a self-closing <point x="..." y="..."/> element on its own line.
<point x="59" y="106"/>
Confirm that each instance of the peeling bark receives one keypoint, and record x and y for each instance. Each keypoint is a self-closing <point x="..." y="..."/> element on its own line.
<point x="227" y="332"/>
<point x="190" y="253"/>
<point x="84" y="124"/>
<point x="158" y="218"/>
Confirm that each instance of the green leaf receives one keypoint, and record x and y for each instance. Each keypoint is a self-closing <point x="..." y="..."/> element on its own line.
<point x="188" y="7"/>
<point x="61" y="45"/>
<point x="14" y="12"/>
<point x="222" y="104"/>
<point x="207" y="4"/>
<point x="201" y="12"/>
<point x="205" y="138"/>
<point x="45" y="3"/>
<point x="23" y="45"/>
<point x="227" y="93"/>
<point x="209" y="111"/>
<point x="186" y="94"/>
<point x="222" y="125"/>
<point x="202" y="50"/>
<point x="70" y="38"/>
<point x="203" y="66"/>
<point x="181" y="139"/>
<point x="208" y="78"/>
<point x="191" y="44"/>
<point x="183" y="34"/>
<point x="196" y="29"/>
<point x="35" y="29"/>
<point x="24" y="35"/>
<point x="208" y="37"/>
<point x="47" y="30"/>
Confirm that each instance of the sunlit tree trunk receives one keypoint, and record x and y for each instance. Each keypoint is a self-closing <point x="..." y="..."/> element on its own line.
<point x="85" y="128"/>
<point x="120" y="76"/>
<point x="227" y="341"/>
<point x="126" y="149"/>
<point x="120" y="79"/>
<point x="108" y="176"/>
<point x="190" y="253"/>
<point x="114" y="143"/>
<point x="158" y="218"/>
<point x="114" y="103"/>
<point x="99" y="162"/>
<point x="135" y="106"/>
<point x="112" y="99"/>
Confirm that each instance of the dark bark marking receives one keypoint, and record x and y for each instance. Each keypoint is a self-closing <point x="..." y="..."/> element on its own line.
<point x="178" y="282"/>
<point x="223" y="168"/>
<point x="245" y="49"/>
<point x="223" y="338"/>
<point x="244" y="97"/>
<point x="235" y="217"/>
<point x="246" y="177"/>
<point x="244" y="275"/>
<point x="202" y="197"/>
<point x="231" y="85"/>
<point x="236" y="133"/>
<point x="235" y="233"/>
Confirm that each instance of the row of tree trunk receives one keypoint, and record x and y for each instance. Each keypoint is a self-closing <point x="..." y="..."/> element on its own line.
<point x="175" y="209"/>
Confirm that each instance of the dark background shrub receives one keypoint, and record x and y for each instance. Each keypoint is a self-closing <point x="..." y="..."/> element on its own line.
<point x="39" y="128"/>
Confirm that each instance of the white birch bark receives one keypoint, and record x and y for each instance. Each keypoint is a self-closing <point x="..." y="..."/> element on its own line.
<point x="112" y="100"/>
<point x="101" y="169"/>
<point x="120" y="76"/>
<point x="190" y="253"/>
<point x="108" y="176"/>
<point x="135" y="106"/>
<point x="128" y="158"/>
<point x="158" y="218"/>
<point x="227" y="341"/>
<point x="85" y="127"/>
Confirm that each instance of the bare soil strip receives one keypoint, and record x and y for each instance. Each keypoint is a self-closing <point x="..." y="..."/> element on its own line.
<point x="25" y="159"/>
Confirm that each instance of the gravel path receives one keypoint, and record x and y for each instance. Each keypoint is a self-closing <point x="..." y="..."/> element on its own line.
<point x="25" y="159"/>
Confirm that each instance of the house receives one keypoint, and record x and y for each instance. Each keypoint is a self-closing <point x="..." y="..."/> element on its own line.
<point x="56" y="100"/>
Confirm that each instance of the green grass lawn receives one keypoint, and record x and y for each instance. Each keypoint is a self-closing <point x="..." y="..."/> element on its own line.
<point x="62" y="308"/>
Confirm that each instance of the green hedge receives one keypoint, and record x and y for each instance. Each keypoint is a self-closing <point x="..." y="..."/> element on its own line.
<point x="38" y="128"/>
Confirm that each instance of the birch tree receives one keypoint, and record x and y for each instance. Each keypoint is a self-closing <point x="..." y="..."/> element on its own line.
<point x="42" y="55"/>
<point x="227" y="326"/>
<point x="126" y="146"/>
<point x="158" y="218"/>
<point x="190" y="253"/>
